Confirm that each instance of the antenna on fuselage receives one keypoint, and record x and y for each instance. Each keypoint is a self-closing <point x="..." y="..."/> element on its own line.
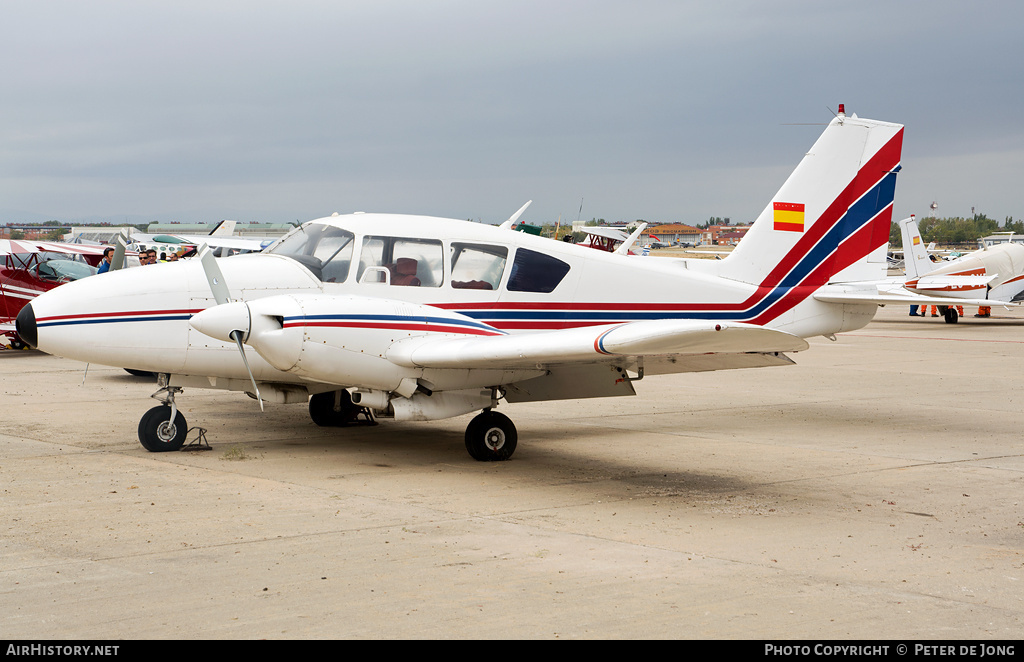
<point x="507" y="225"/>
<point x="624" y="248"/>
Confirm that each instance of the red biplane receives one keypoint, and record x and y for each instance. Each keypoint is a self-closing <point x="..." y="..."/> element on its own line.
<point x="29" y="268"/>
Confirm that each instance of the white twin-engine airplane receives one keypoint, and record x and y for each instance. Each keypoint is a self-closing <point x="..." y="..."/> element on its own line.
<point x="994" y="274"/>
<point x="425" y="318"/>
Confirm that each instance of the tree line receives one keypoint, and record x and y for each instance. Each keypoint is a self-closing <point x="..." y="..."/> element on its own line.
<point x="957" y="230"/>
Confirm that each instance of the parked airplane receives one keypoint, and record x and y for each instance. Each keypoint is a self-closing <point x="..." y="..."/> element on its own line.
<point x="612" y="240"/>
<point x="29" y="268"/>
<point x="896" y="257"/>
<point x="220" y="239"/>
<point x="424" y="318"/>
<point x="993" y="275"/>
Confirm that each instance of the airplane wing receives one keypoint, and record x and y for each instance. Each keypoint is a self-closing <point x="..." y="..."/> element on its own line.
<point x="68" y="249"/>
<point x="950" y="282"/>
<point x="591" y="362"/>
<point x="607" y="233"/>
<point x="25" y="247"/>
<point x="593" y="344"/>
<point x="10" y="246"/>
<point x="219" y="241"/>
<point x="213" y="241"/>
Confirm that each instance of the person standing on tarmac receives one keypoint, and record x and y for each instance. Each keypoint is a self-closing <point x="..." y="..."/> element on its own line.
<point x="108" y="255"/>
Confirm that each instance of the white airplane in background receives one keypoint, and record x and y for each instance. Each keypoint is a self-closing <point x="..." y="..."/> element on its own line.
<point x="993" y="275"/>
<point x="425" y="318"/>
<point x="220" y="239"/>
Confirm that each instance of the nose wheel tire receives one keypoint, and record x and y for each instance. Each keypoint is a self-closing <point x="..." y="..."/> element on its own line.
<point x="491" y="437"/>
<point x="158" y="433"/>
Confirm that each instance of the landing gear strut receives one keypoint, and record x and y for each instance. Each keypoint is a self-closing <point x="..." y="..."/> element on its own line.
<point x="163" y="428"/>
<point x="491" y="437"/>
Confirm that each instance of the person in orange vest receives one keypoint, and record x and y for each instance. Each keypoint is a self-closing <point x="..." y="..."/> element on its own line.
<point x="984" y="311"/>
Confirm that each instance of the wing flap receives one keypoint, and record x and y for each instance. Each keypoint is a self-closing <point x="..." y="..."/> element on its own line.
<point x="593" y="344"/>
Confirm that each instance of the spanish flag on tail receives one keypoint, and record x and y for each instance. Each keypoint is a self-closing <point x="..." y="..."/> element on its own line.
<point x="789" y="216"/>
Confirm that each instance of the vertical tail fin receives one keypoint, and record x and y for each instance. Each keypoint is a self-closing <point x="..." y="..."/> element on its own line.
<point x="223" y="229"/>
<point x="830" y="221"/>
<point x="915" y="255"/>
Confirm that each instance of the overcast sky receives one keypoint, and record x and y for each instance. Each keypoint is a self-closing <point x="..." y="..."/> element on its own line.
<point x="669" y="111"/>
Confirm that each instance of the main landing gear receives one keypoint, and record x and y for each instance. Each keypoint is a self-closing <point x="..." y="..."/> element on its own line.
<point x="335" y="409"/>
<point x="491" y="437"/>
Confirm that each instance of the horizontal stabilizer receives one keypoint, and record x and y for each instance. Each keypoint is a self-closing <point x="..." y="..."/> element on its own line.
<point x="910" y="299"/>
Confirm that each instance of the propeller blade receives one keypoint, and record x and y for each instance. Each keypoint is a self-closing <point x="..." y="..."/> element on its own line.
<point x="221" y="295"/>
<point x="213" y="275"/>
<point x="237" y="335"/>
<point x="117" y="260"/>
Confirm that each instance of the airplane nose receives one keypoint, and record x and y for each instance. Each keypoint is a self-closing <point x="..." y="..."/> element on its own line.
<point x="25" y="325"/>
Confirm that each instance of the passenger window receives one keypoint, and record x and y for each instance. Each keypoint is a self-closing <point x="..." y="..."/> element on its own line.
<point x="536" y="272"/>
<point x="477" y="266"/>
<point x="402" y="261"/>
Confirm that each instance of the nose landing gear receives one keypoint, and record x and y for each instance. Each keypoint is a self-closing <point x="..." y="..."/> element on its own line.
<point x="163" y="428"/>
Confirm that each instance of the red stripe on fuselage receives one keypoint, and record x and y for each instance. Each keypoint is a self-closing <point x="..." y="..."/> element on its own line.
<point x="436" y="328"/>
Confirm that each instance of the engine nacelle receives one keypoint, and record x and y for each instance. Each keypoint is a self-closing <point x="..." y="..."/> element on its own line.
<point x="336" y="339"/>
<point x="445" y="404"/>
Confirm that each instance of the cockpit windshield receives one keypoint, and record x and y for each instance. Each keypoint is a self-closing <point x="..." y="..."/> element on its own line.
<point x="323" y="249"/>
<point x="63" y="270"/>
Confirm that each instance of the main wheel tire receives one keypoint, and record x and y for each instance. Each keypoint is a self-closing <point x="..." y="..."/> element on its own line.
<point x="158" y="434"/>
<point x="333" y="409"/>
<point x="491" y="437"/>
<point x="951" y="315"/>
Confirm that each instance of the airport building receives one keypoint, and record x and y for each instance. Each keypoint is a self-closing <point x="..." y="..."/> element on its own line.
<point x="1000" y="238"/>
<point x="673" y="233"/>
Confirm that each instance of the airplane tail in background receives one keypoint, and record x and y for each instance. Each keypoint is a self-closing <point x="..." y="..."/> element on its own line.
<point x="223" y="229"/>
<point x="831" y="219"/>
<point x="916" y="261"/>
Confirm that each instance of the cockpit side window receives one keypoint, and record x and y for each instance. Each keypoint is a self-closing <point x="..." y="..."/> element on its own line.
<point x="335" y="254"/>
<point x="477" y="266"/>
<point x="536" y="272"/>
